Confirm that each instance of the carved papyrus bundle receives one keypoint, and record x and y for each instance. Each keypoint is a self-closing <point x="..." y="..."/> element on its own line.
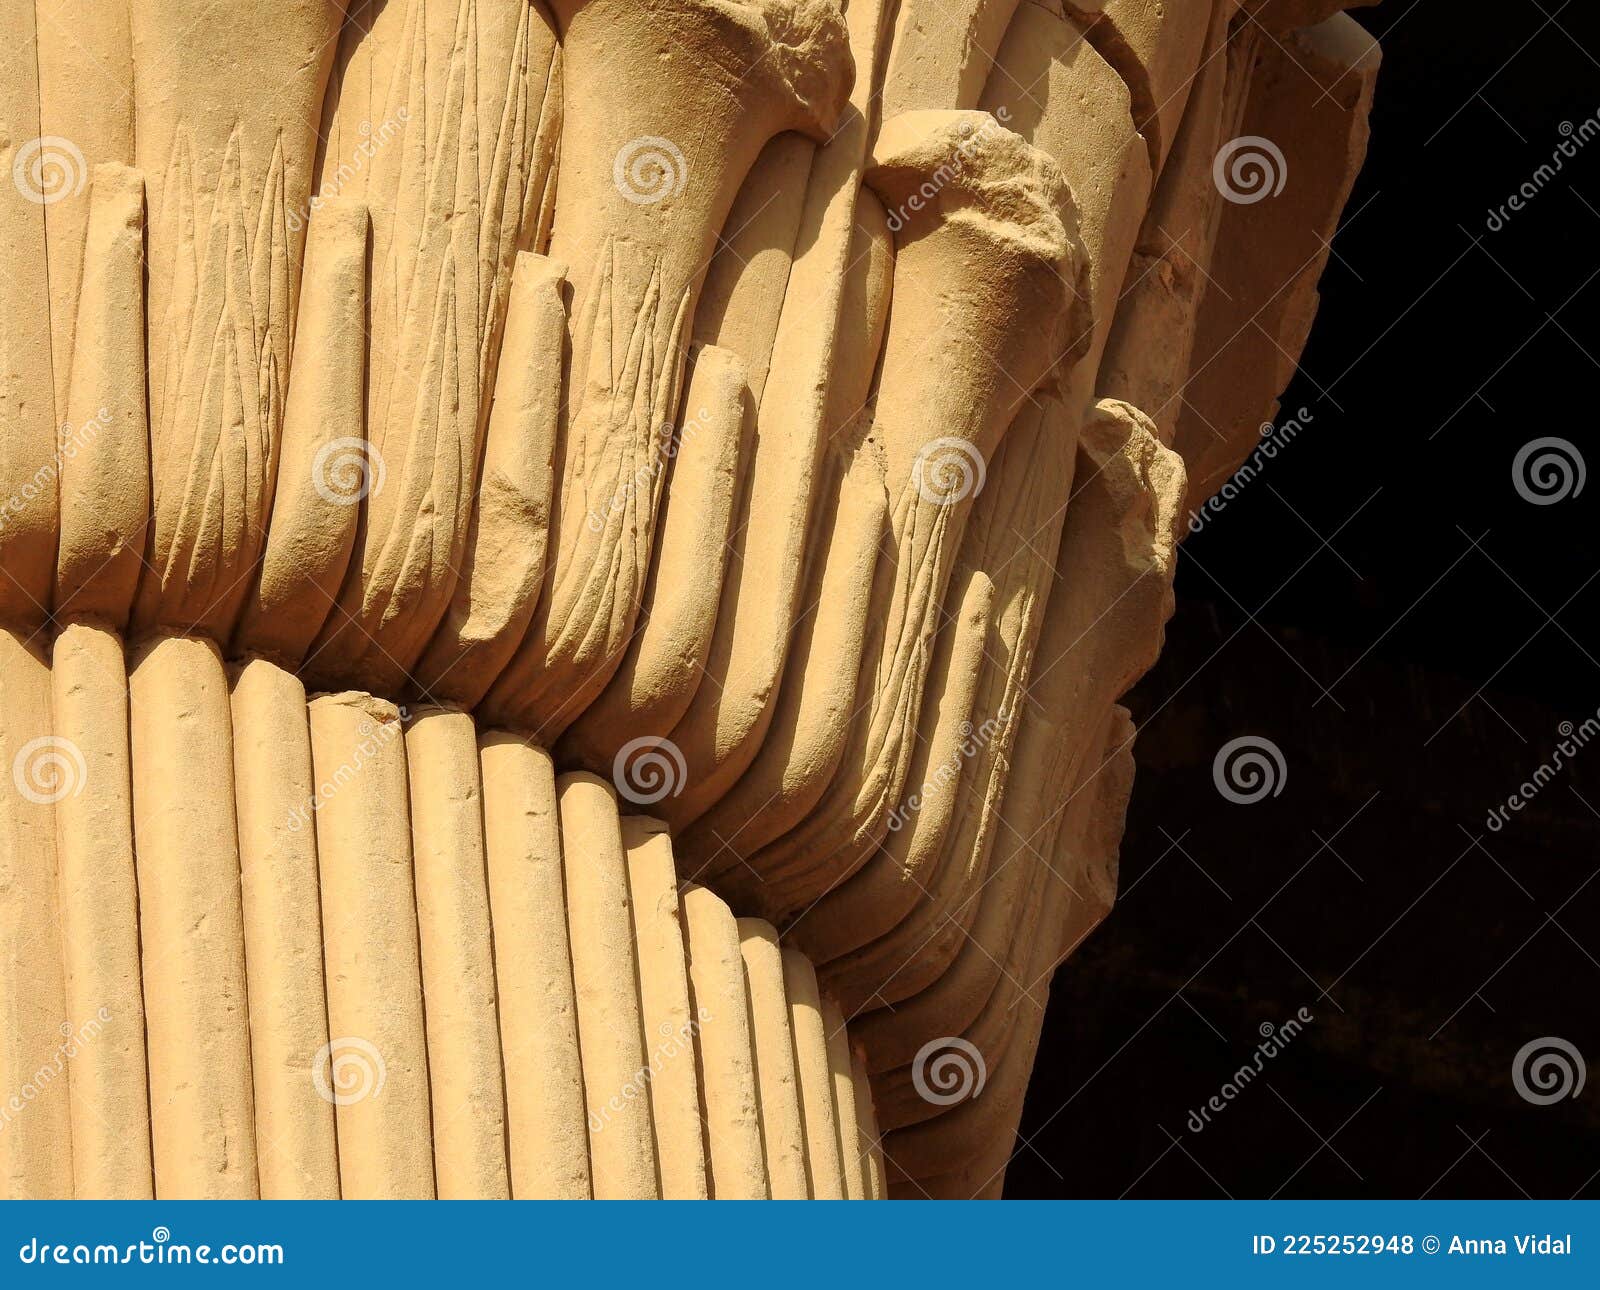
<point x="566" y="570"/>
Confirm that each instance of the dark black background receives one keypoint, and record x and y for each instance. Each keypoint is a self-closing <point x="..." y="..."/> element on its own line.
<point x="1414" y="671"/>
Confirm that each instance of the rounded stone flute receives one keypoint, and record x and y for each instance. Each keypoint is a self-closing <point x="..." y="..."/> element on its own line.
<point x="723" y="1041"/>
<point x="824" y="1167"/>
<point x="669" y="1023"/>
<point x="297" y="1156"/>
<point x="100" y="918"/>
<point x="605" y="980"/>
<point x="35" y="1027"/>
<point x="464" y="1063"/>
<point x="375" y="1068"/>
<point x="546" y="1133"/>
<point x="191" y="923"/>
<point x="782" y="1131"/>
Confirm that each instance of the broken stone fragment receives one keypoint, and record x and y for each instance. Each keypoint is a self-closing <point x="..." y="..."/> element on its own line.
<point x="1148" y="354"/>
<point x="1155" y="47"/>
<point x="942" y="53"/>
<point x="1309" y="97"/>
<point x="1292" y="15"/>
